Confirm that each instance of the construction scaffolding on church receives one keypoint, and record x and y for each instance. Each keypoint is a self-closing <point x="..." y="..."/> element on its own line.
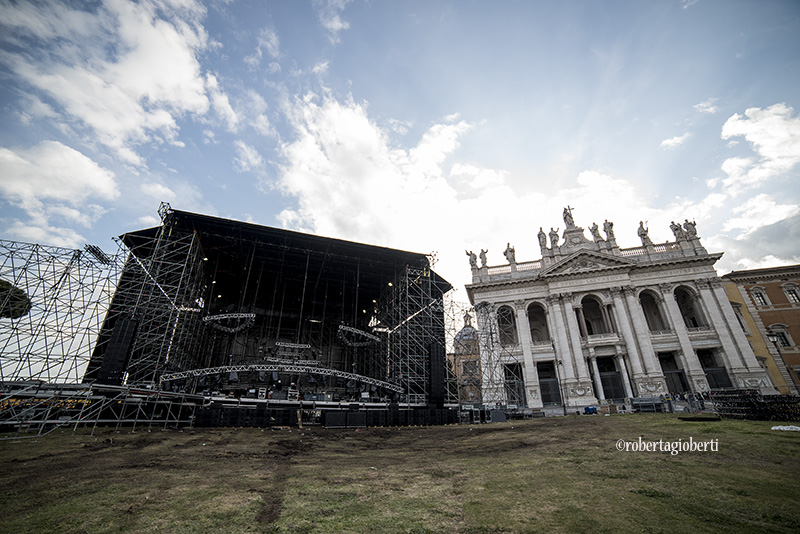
<point x="201" y="308"/>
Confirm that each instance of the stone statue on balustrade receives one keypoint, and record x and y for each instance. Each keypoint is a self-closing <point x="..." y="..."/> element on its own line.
<point x="553" y="238"/>
<point x="608" y="228"/>
<point x="690" y="228"/>
<point x="595" y="233"/>
<point x="678" y="231"/>
<point x="473" y="259"/>
<point x="542" y="239"/>
<point x="510" y="254"/>
<point x="643" y="235"/>
<point x="483" y="258"/>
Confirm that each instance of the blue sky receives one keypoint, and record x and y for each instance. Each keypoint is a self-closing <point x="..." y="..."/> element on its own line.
<point x="423" y="125"/>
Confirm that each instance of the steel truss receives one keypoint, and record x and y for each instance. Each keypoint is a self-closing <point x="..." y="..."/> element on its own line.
<point x="296" y="369"/>
<point x="68" y="293"/>
<point x="33" y="409"/>
<point x="160" y="291"/>
<point x="502" y="364"/>
<point x="413" y="321"/>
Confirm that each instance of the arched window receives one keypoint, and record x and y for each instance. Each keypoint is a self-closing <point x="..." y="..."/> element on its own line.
<point x="652" y="312"/>
<point x="689" y="308"/>
<point x="594" y="320"/>
<point x="507" y="326"/>
<point x="537" y="321"/>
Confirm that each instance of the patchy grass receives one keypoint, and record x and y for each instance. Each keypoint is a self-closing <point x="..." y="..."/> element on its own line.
<point x="545" y="475"/>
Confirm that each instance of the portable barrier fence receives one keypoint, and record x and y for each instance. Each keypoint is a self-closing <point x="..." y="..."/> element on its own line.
<point x="752" y="405"/>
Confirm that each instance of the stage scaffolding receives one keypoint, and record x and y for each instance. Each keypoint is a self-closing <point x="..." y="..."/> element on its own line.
<point x="200" y="306"/>
<point x="501" y="363"/>
<point x="52" y="305"/>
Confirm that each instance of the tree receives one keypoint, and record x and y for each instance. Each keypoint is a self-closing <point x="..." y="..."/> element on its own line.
<point x="14" y="303"/>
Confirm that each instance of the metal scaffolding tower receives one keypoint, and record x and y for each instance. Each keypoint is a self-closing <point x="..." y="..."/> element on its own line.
<point x="52" y="304"/>
<point x="501" y="362"/>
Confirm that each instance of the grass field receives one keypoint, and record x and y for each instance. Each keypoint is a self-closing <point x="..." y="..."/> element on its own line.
<point x="560" y="474"/>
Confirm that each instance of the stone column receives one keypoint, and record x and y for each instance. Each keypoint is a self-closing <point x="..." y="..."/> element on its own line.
<point x="582" y="321"/>
<point x="733" y="357"/>
<point x="623" y="371"/>
<point x="606" y="318"/>
<point x="691" y="364"/>
<point x="534" y="399"/>
<point x="642" y="333"/>
<point x="559" y="336"/>
<point x="581" y="389"/>
<point x="627" y="334"/>
<point x="598" y="384"/>
<point x="574" y="334"/>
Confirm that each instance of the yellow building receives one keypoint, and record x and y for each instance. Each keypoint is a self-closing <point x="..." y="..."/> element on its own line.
<point x="767" y="303"/>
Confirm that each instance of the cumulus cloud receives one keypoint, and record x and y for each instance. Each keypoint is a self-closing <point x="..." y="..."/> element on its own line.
<point x="53" y="182"/>
<point x="351" y="181"/>
<point x="675" y="142"/>
<point x="760" y="210"/>
<point x="774" y="135"/>
<point x="126" y="71"/>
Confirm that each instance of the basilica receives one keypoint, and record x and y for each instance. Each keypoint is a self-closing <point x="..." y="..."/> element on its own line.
<point x="592" y="323"/>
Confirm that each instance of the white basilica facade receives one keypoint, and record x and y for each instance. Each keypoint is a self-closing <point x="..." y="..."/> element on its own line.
<point x="591" y="322"/>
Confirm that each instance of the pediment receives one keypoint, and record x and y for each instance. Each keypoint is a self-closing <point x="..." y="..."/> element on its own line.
<point x="585" y="261"/>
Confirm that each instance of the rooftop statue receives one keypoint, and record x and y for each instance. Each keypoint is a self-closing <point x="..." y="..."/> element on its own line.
<point x="542" y="239"/>
<point x="643" y="235"/>
<point x="510" y="254"/>
<point x="473" y="259"/>
<point x="553" y="237"/>
<point x="483" y="258"/>
<point x="608" y="228"/>
<point x="595" y="232"/>
<point x="690" y="227"/>
<point x="678" y="231"/>
<point x="568" y="220"/>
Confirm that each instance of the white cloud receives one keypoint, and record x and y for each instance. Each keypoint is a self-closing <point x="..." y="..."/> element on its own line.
<point x="52" y="181"/>
<point x="267" y="42"/>
<point x="126" y="71"/>
<point x="247" y="159"/>
<point x="320" y="68"/>
<point x="774" y="135"/>
<point x="329" y="14"/>
<point x="158" y="192"/>
<point x="221" y="104"/>
<point x="759" y="211"/>
<point x="675" y="142"/>
<point x="351" y="182"/>
<point x="707" y="106"/>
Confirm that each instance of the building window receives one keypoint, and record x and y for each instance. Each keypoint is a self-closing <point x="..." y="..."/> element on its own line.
<point x="779" y="334"/>
<point x="507" y="326"/>
<point x="759" y="296"/>
<point x="792" y="293"/>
